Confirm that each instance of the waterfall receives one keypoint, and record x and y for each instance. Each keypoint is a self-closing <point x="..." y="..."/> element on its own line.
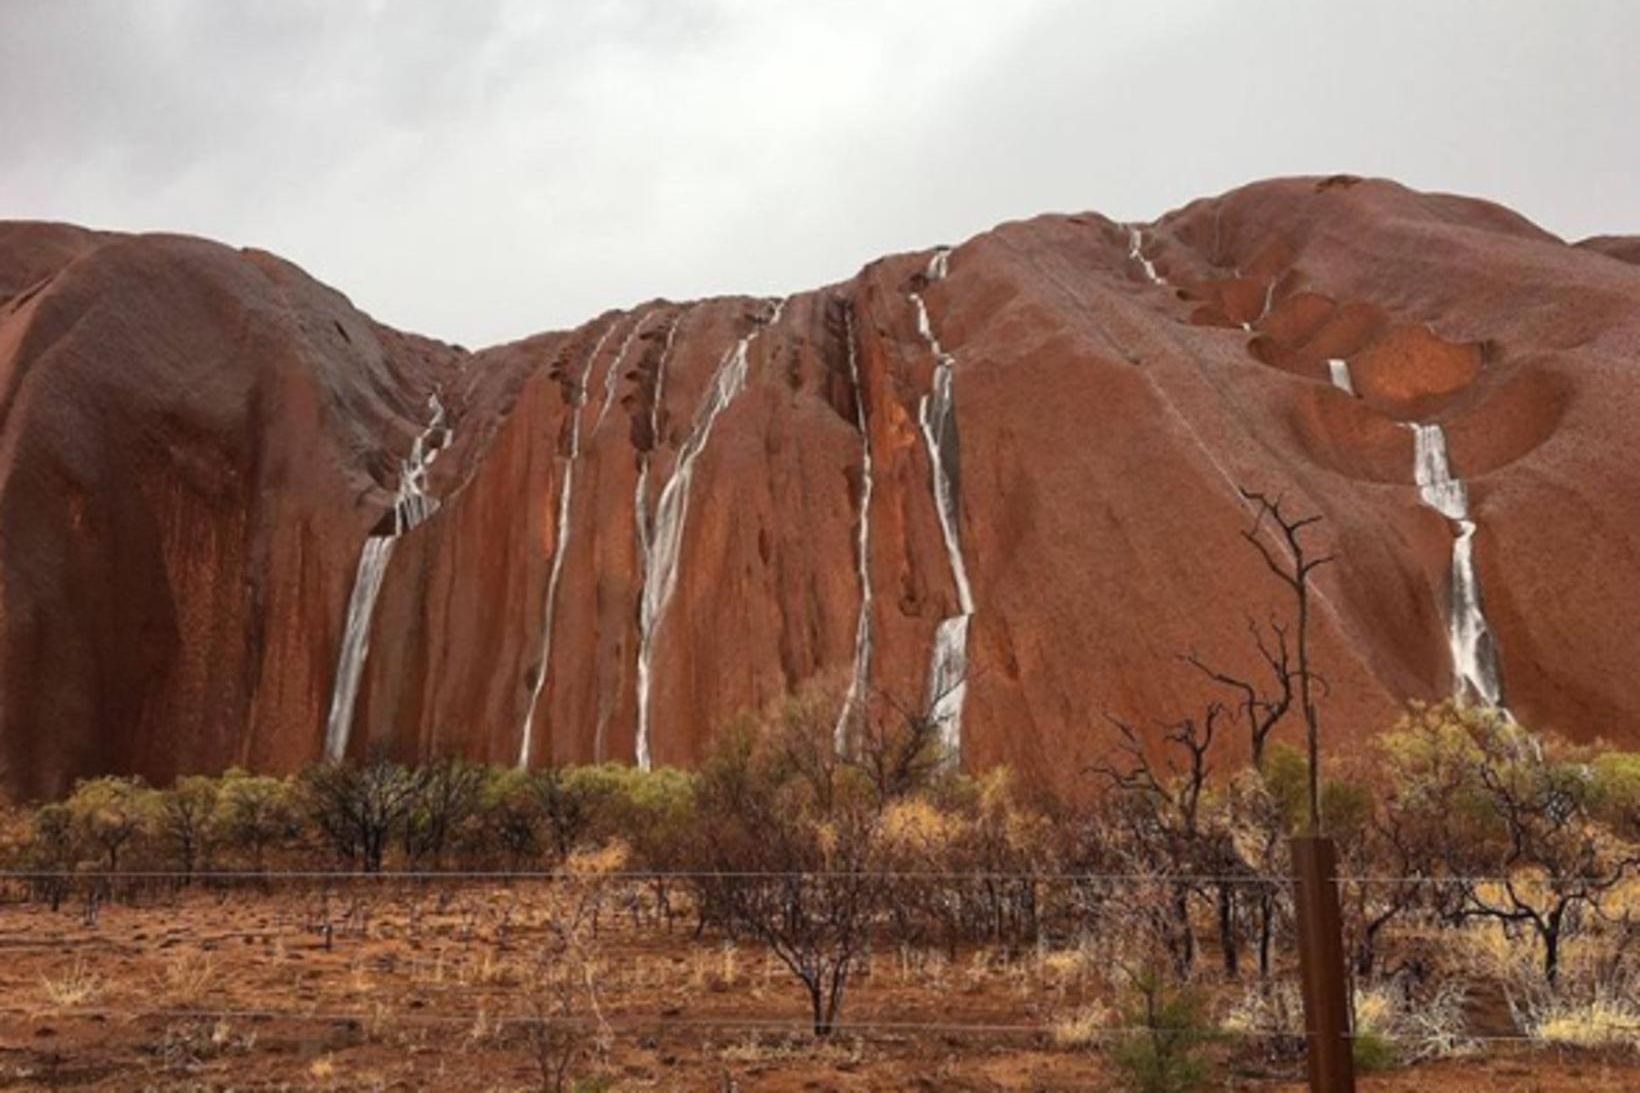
<point x="1339" y="371"/>
<point x="361" y="604"/>
<point x="948" y="665"/>
<point x="859" y="679"/>
<point x="660" y="537"/>
<point x="1136" y="242"/>
<point x="641" y="523"/>
<point x="412" y="505"/>
<point x="1474" y="652"/>
<point x="939" y="264"/>
<point x="1433" y="473"/>
<point x="526" y="741"/>
<point x="613" y="372"/>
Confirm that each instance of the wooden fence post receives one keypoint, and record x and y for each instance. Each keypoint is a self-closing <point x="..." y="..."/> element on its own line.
<point x="1321" y="965"/>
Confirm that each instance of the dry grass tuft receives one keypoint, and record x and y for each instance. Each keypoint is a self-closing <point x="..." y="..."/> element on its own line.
<point x="1605" y="1020"/>
<point x="187" y="978"/>
<point x="1084" y="1028"/>
<point x="76" y="987"/>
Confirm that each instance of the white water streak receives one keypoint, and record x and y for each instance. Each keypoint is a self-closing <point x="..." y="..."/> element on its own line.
<point x="412" y="506"/>
<point x="361" y="603"/>
<point x="1338" y="370"/>
<point x="566" y="495"/>
<point x="948" y="665"/>
<point x="612" y="373"/>
<point x="1136" y="251"/>
<point x="1433" y="473"/>
<point x="660" y="538"/>
<point x="860" y="677"/>
<point x="1474" y="652"/>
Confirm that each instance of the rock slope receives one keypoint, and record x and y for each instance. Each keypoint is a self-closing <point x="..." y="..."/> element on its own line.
<point x="998" y="480"/>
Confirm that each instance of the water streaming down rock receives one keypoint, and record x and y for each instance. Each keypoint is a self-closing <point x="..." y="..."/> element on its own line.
<point x="646" y="536"/>
<point x="859" y="678"/>
<point x="1474" y="653"/>
<point x="948" y="664"/>
<point x="1433" y="472"/>
<point x="1136" y="243"/>
<point x="1339" y="371"/>
<point x="411" y="507"/>
<point x="660" y="536"/>
<point x="1269" y="301"/>
<point x="612" y="373"/>
<point x="566" y="495"/>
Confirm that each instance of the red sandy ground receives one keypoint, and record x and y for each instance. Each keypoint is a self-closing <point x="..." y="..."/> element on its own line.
<point x="416" y="990"/>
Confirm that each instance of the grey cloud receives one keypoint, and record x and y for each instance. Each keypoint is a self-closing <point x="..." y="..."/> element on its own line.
<point x="482" y="170"/>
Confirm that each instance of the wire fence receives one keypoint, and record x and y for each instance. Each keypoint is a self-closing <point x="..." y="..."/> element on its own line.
<point x="632" y="1023"/>
<point x="647" y="875"/>
<point x="506" y="1018"/>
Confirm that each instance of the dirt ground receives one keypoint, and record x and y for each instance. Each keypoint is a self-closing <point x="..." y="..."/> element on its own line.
<point x="371" y="988"/>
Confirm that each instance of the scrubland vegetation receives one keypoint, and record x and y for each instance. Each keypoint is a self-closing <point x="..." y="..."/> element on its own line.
<point x="1490" y="892"/>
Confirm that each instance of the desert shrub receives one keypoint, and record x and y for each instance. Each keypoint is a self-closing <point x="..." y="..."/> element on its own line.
<point x="16" y="829"/>
<point x="360" y="808"/>
<point x="1168" y="1030"/>
<point x="1602" y="1018"/>
<point x="1614" y="795"/>
<point x="1498" y="801"/>
<point x="254" y="813"/>
<point x="111" y="815"/>
<point x="650" y="811"/>
<point x="1393" y="1028"/>
<point x="188" y="821"/>
<point x="793" y="849"/>
<point x="1085" y="1027"/>
<point x="1372" y="1051"/>
<point x="1346" y="806"/>
<point x="53" y="850"/>
<point x="1268" y="1018"/>
<point x="1004" y="845"/>
<point x="510" y="815"/>
<point x="446" y="802"/>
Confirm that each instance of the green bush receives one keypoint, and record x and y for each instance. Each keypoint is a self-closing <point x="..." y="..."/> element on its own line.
<point x="1373" y="1051"/>
<point x="1166" y="1049"/>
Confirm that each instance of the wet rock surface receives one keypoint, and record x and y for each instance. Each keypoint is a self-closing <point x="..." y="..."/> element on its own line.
<point x="197" y="442"/>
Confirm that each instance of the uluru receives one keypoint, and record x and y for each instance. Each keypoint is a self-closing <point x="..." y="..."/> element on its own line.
<point x="244" y="524"/>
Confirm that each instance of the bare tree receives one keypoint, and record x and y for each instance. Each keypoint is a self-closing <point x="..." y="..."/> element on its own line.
<point x="789" y="865"/>
<point x="1263" y="706"/>
<point x="1164" y="817"/>
<point x="359" y="808"/>
<point x="446" y="798"/>
<point x="1293" y="565"/>
<point x="897" y="746"/>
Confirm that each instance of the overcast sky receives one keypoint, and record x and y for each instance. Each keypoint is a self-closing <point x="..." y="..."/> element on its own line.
<point x="481" y="170"/>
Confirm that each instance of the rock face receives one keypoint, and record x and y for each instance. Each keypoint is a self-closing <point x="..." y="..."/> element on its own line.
<point x="655" y="521"/>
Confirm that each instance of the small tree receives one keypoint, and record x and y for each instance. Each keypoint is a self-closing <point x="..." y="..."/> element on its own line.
<point x="1293" y="565"/>
<point x="510" y="810"/>
<point x="897" y="747"/>
<point x="111" y="813"/>
<point x="449" y="795"/>
<point x="255" y="812"/>
<point x="1170" y="1028"/>
<point x="53" y="850"/>
<point x="1168" y="830"/>
<point x="188" y="821"/>
<point x="797" y="876"/>
<point x="568" y="807"/>
<point x="1514" y="816"/>
<point x="360" y="808"/>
